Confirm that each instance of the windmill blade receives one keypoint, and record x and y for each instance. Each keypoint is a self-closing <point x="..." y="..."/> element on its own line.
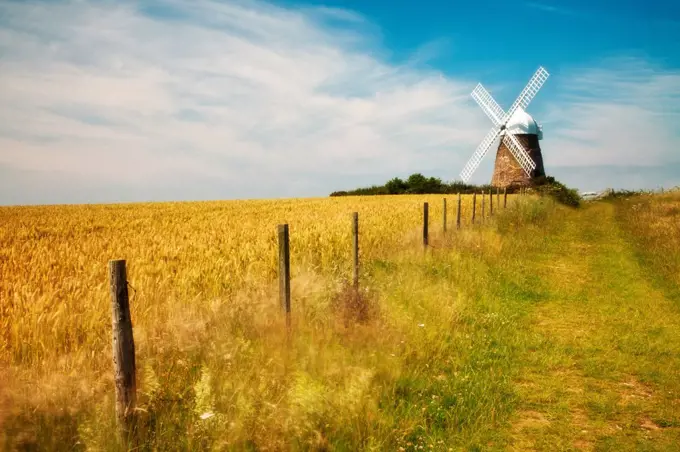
<point x="528" y="93"/>
<point x="488" y="104"/>
<point x="476" y="158"/>
<point x="516" y="148"/>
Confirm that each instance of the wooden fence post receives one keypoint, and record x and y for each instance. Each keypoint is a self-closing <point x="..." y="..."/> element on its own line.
<point x="284" y="271"/>
<point x="474" y="206"/>
<point x="483" y="206"/>
<point x="458" y="213"/>
<point x="490" y="202"/>
<point x="505" y="197"/>
<point x="355" y="250"/>
<point x="123" y="345"/>
<point x="444" y="215"/>
<point x="498" y="197"/>
<point x="425" y="224"/>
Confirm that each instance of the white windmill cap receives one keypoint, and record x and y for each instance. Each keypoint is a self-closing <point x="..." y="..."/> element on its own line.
<point x="521" y="122"/>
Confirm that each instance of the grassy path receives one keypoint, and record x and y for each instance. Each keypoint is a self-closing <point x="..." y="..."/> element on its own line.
<point x="601" y="364"/>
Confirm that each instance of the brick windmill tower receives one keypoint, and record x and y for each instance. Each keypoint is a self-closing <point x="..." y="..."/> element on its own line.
<point x="518" y="158"/>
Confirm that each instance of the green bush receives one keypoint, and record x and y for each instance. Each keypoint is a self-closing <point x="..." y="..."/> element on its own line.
<point x="548" y="186"/>
<point x="612" y="194"/>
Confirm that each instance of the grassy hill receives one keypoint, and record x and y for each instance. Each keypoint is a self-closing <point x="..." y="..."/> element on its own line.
<point x="544" y="328"/>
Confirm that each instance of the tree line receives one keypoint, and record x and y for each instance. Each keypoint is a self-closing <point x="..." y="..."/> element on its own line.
<point x="417" y="184"/>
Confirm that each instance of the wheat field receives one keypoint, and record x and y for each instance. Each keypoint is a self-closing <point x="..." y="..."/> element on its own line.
<point x="203" y="288"/>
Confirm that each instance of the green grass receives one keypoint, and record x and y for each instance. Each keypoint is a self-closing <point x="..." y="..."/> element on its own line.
<point x="600" y="371"/>
<point x="547" y="328"/>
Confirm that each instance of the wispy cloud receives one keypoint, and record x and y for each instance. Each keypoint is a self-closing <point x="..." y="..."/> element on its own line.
<point x="207" y="99"/>
<point x="623" y="113"/>
<point x="245" y="92"/>
<point x="618" y="120"/>
<point x="551" y="8"/>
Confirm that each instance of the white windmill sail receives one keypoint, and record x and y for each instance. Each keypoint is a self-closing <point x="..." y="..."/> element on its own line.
<point x="517" y="150"/>
<point x="488" y="104"/>
<point x="528" y="93"/>
<point x="476" y="158"/>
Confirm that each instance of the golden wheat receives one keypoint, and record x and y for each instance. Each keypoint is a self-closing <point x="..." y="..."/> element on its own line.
<point x="192" y="268"/>
<point x="53" y="259"/>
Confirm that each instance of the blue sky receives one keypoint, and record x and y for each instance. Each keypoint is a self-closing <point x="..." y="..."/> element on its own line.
<point x="104" y="101"/>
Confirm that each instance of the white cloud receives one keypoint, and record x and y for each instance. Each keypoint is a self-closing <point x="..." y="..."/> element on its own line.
<point x="242" y="90"/>
<point x="550" y="8"/>
<point x="249" y="99"/>
<point x="623" y="113"/>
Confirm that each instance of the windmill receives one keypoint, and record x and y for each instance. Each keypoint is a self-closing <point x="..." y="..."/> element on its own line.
<point x="518" y="158"/>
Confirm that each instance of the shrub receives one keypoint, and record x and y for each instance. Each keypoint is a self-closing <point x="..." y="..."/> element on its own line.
<point x="548" y="186"/>
<point x="612" y="194"/>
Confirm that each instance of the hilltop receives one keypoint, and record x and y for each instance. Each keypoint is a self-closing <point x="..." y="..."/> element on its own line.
<point x="416" y="183"/>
